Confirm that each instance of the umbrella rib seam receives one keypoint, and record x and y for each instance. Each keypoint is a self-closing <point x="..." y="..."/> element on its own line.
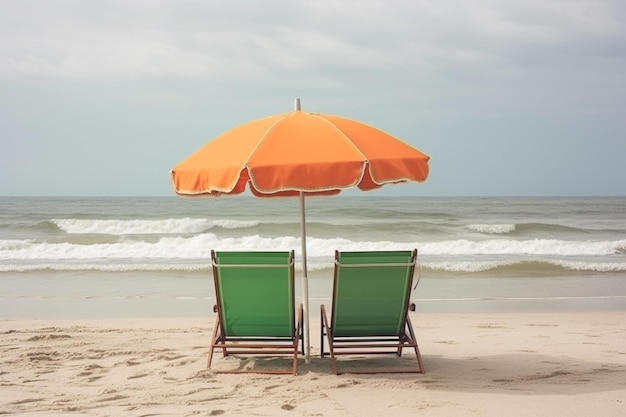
<point x="365" y="160"/>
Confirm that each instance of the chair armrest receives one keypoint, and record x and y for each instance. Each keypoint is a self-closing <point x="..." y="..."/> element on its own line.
<point x="215" y="308"/>
<point x="412" y="306"/>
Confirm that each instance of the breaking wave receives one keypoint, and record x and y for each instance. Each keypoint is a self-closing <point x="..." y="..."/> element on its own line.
<point x="146" y="227"/>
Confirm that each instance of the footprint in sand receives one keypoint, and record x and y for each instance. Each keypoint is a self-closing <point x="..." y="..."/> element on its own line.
<point x="137" y="376"/>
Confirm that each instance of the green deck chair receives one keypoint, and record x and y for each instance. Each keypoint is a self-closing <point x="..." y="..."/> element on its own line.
<point x="255" y="307"/>
<point x="370" y="308"/>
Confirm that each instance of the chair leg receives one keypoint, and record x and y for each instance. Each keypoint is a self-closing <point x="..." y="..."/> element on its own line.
<point x="322" y="331"/>
<point x="420" y="363"/>
<point x="299" y="335"/>
<point x="333" y="360"/>
<point x="216" y="329"/>
<point x="294" y="364"/>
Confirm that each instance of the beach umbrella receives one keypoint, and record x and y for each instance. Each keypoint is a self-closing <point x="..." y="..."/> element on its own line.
<point x="298" y="154"/>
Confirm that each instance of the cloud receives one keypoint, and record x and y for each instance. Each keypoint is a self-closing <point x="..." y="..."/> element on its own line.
<point x="122" y="39"/>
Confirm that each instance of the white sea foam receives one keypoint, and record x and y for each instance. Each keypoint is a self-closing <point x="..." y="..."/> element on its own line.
<point x="14" y="244"/>
<point x="169" y="253"/>
<point x="198" y="246"/>
<point x="483" y="266"/>
<point x="314" y="264"/>
<point x="592" y="266"/>
<point x="522" y="247"/>
<point x="463" y="266"/>
<point x="145" y="227"/>
<point x="134" y="267"/>
<point x="491" y="228"/>
<point x="195" y="247"/>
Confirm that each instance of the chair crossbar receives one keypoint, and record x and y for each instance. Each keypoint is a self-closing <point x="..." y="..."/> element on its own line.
<point x="255" y="266"/>
<point x="260" y="339"/>
<point x="359" y="352"/>
<point x="256" y="349"/>
<point x="371" y="265"/>
<point x="372" y="344"/>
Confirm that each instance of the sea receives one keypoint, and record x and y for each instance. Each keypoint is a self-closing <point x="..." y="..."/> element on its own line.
<point x="87" y="257"/>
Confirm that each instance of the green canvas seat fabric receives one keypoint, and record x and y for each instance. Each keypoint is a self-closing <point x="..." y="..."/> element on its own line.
<point x="256" y="312"/>
<point x="370" y="306"/>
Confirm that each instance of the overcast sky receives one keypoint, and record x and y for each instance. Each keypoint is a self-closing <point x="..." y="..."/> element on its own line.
<point x="508" y="97"/>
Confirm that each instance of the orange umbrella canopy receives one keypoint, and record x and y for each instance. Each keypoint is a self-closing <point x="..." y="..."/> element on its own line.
<point x="289" y="153"/>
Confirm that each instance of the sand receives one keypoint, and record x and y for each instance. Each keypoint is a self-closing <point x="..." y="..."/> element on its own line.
<point x="481" y="364"/>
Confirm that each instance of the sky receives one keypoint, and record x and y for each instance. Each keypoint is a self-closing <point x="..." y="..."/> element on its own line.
<point x="508" y="97"/>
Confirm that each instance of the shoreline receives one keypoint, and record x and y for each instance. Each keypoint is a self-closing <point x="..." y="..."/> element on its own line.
<point x="142" y="295"/>
<point x="90" y="309"/>
<point x="489" y="364"/>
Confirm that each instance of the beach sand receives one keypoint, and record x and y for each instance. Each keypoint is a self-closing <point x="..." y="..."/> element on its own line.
<point x="480" y="364"/>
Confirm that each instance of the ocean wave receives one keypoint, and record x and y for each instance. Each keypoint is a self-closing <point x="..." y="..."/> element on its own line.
<point x="552" y="228"/>
<point x="134" y="267"/>
<point x="532" y="267"/>
<point x="491" y="228"/>
<point x="521" y="229"/>
<point x="188" y="226"/>
<point x="346" y="227"/>
<point x="522" y="247"/>
<point x="195" y="247"/>
<point x="147" y="227"/>
<point x="15" y="244"/>
<point x="198" y="247"/>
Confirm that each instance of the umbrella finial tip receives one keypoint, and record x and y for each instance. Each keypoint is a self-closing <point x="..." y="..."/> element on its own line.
<point x="296" y="104"/>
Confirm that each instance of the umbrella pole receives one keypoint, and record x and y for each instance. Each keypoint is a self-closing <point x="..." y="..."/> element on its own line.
<point x="305" y="281"/>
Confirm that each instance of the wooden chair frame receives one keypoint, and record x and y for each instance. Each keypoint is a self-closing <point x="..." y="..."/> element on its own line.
<point x="260" y="344"/>
<point x="374" y="343"/>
